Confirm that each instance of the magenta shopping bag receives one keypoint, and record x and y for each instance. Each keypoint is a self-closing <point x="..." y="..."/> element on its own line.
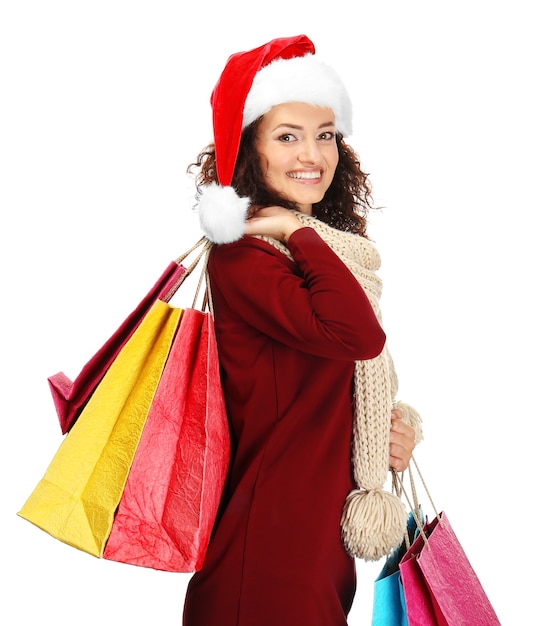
<point x="440" y="586"/>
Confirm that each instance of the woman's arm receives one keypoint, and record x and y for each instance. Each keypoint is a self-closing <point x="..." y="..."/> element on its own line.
<point x="315" y="304"/>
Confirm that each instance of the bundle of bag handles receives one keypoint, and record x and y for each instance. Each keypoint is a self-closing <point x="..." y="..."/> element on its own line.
<point x="203" y="246"/>
<point x="413" y="502"/>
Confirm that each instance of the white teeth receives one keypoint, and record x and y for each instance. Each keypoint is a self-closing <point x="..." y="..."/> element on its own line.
<point x="307" y="175"/>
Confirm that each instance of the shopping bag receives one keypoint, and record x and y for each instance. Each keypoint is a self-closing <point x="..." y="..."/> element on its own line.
<point x="389" y="607"/>
<point x="77" y="498"/>
<point x="173" y="491"/>
<point x="145" y="463"/>
<point x="70" y="396"/>
<point x="440" y="586"/>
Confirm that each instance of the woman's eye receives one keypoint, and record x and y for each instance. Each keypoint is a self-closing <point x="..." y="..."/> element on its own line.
<point x="286" y="138"/>
<point x="327" y="136"/>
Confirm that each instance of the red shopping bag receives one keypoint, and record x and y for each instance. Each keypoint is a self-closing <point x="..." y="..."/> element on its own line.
<point x="440" y="586"/>
<point x="173" y="491"/>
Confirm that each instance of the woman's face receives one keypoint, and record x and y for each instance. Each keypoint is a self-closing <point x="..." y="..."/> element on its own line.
<point x="298" y="150"/>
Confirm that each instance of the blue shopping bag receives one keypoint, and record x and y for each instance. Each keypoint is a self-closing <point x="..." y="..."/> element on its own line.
<point x="389" y="607"/>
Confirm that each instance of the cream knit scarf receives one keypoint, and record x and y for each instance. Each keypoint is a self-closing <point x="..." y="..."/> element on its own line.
<point x="373" y="522"/>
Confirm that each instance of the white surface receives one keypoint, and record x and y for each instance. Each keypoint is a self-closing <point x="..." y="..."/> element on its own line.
<point x="103" y="106"/>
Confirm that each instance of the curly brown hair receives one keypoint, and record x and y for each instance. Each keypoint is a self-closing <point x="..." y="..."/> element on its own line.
<point x="345" y="205"/>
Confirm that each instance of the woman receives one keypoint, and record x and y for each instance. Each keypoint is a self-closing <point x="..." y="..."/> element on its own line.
<point x="308" y="381"/>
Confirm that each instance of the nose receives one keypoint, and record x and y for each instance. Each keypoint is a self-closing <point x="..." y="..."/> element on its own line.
<point x="309" y="152"/>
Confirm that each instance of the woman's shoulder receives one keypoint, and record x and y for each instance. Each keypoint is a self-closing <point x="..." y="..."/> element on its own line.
<point x="249" y="246"/>
<point x="247" y="257"/>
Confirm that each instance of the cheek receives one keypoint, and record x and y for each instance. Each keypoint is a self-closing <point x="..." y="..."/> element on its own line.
<point x="274" y="166"/>
<point x="334" y="164"/>
<point x="267" y="164"/>
<point x="268" y="170"/>
<point x="334" y="157"/>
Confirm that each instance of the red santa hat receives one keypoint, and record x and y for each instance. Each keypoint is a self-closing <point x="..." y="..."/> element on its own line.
<point x="282" y="70"/>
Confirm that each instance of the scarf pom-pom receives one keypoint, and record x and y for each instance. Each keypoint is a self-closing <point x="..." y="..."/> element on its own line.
<point x="411" y="417"/>
<point x="373" y="523"/>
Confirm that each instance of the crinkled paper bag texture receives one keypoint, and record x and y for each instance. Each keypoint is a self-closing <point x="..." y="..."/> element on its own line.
<point x="174" y="488"/>
<point x="76" y="500"/>
<point x="440" y="586"/>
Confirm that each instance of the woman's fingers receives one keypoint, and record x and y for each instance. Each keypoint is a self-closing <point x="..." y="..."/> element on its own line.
<point x="401" y="442"/>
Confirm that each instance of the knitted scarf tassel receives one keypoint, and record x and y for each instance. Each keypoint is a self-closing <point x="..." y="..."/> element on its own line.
<point x="373" y="521"/>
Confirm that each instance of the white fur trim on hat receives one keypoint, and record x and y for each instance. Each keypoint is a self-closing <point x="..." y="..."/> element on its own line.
<point x="222" y="213"/>
<point x="301" y="79"/>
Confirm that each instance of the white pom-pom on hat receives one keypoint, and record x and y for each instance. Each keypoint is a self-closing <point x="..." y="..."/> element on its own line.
<point x="222" y="213"/>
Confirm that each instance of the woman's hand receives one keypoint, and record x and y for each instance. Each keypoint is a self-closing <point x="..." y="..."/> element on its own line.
<point x="272" y="221"/>
<point x="401" y="442"/>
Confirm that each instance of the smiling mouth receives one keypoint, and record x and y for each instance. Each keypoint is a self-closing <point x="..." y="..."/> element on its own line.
<point x="305" y="175"/>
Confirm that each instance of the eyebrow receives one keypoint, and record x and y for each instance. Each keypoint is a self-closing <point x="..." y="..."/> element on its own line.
<point x="299" y="127"/>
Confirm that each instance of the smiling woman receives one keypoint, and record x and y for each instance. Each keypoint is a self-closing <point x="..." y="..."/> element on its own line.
<point x="309" y="384"/>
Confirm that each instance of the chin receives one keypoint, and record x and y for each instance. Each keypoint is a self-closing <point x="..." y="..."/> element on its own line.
<point x="303" y="196"/>
<point x="309" y="199"/>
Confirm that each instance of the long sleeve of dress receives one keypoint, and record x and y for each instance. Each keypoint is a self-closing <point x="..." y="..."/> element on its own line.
<point x="316" y="306"/>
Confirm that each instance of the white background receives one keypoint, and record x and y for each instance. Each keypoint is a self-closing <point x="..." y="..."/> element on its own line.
<point x="103" y="106"/>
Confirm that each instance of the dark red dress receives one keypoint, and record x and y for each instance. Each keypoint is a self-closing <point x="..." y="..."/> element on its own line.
<point x="288" y="334"/>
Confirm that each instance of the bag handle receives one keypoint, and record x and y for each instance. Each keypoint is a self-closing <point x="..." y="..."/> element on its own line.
<point x="202" y="247"/>
<point x="413" y="503"/>
<point x="207" y="301"/>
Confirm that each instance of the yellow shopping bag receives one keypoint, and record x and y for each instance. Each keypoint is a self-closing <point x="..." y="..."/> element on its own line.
<point x="76" y="500"/>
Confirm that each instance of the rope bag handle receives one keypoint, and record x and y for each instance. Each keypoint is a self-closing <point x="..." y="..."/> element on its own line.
<point x="202" y="247"/>
<point x="413" y="501"/>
